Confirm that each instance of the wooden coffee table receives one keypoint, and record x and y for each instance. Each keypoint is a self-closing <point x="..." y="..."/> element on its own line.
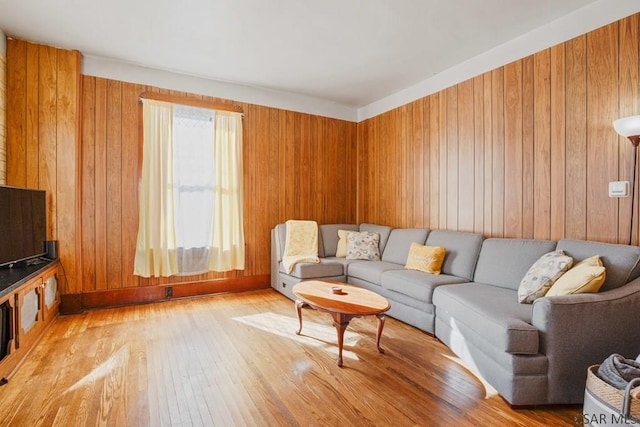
<point x="351" y="302"/>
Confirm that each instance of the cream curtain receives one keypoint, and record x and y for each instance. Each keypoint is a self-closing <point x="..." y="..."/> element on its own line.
<point x="156" y="246"/>
<point x="227" y="237"/>
<point x="191" y="216"/>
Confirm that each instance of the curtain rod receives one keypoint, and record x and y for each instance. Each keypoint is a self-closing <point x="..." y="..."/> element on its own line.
<point x="193" y="102"/>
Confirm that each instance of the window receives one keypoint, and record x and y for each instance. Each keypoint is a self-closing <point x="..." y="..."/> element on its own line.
<point x="190" y="191"/>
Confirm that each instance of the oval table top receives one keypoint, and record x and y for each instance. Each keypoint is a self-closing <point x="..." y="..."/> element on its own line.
<point x="352" y="299"/>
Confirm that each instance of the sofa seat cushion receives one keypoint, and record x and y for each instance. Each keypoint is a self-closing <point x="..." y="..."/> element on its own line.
<point x="343" y="261"/>
<point x="491" y="312"/>
<point x="309" y="270"/>
<point x="371" y="271"/>
<point x="417" y="284"/>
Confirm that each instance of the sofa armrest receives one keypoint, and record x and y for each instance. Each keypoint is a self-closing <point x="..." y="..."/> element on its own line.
<point x="577" y="331"/>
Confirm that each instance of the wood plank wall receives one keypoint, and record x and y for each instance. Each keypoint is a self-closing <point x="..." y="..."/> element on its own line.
<point x="295" y="166"/>
<point x="3" y="115"/>
<point x="43" y="105"/>
<point x="526" y="150"/>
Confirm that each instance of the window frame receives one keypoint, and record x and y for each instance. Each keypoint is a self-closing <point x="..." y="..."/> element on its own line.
<point x="175" y="99"/>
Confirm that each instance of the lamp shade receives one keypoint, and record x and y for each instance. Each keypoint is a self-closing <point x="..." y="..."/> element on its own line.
<point x="627" y="126"/>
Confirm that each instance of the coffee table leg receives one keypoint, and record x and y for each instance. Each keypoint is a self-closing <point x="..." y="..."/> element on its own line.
<point x="381" y="318"/>
<point x="341" y="322"/>
<point x="299" y="305"/>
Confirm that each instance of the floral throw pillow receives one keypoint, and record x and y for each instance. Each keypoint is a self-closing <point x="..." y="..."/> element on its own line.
<point x="542" y="274"/>
<point x="363" y="245"/>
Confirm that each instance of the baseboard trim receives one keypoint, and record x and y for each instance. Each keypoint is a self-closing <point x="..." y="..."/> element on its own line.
<point x="76" y="303"/>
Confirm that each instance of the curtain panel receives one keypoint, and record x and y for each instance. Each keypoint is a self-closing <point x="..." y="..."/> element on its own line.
<point x="156" y="249"/>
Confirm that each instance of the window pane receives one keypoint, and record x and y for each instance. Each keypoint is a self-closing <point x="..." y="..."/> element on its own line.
<point x="193" y="175"/>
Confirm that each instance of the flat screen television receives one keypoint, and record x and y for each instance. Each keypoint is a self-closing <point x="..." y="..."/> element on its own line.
<point x="23" y="224"/>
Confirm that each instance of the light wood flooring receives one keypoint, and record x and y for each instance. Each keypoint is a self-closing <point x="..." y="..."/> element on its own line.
<point x="235" y="359"/>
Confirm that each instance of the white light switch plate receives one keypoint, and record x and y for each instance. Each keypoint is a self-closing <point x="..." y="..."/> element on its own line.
<point x="619" y="189"/>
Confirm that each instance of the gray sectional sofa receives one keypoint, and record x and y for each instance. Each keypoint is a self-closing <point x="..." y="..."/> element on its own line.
<point x="531" y="353"/>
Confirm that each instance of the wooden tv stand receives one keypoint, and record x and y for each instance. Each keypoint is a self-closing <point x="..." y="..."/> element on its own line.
<point x="31" y="295"/>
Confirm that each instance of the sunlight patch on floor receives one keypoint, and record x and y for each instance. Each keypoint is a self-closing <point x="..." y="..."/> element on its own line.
<point x="488" y="388"/>
<point x="115" y="362"/>
<point x="459" y="346"/>
<point x="313" y="334"/>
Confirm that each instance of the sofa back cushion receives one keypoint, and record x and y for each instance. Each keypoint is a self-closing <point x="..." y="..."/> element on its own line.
<point x="462" y="251"/>
<point x="400" y="240"/>
<point x="328" y="240"/>
<point x="622" y="262"/>
<point x="382" y="229"/>
<point x="504" y="262"/>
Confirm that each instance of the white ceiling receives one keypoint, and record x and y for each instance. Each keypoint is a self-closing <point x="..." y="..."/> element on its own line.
<point x="349" y="52"/>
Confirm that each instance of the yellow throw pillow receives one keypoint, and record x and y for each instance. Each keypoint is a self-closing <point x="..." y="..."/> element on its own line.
<point x="425" y="258"/>
<point x="341" y="250"/>
<point x="587" y="276"/>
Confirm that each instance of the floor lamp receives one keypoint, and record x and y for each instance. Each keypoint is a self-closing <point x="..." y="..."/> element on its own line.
<point x="629" y="127"/>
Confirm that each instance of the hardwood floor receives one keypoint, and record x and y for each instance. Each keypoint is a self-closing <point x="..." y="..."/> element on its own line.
<point x="235" y="360"/>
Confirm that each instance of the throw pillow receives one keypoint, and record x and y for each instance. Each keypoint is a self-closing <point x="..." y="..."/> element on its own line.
<point x="363" y="245"/>
<point x="341" y="250"/>
<point x="425" y="258"/>
<point x="587" y="276"/>
<point x="542" y="274"/>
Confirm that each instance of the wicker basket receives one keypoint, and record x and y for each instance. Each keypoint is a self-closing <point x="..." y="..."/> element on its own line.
<point x="604" y="405"/>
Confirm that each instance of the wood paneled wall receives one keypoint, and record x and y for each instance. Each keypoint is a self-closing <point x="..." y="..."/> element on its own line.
<point x="78" y="138"/>
<point x="43" y="107"/>
<point x="296" y="166"/>
<point x="3" y="116"/>
<point x="526" y="150"/>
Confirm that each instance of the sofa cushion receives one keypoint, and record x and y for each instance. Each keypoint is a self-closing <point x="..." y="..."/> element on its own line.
<point x="309" y="270"/>
<point x="371" y="271"/>
<point x="416" y="284"/>
<point x="621" y="261"/>
<point x="329" y="238"/>
<point x="491" y="312"/>
<point x="400" y="240"/>
<point x="462" y="251"/>
<point x="363" y="245"/>
<point x="587" y="276"/>
<point x="425" y="258"/>
<point x="343" y="261"/>
<point x="542" y="274"/>
<point x="504" y="262"/>
<point x="382" y="229"/>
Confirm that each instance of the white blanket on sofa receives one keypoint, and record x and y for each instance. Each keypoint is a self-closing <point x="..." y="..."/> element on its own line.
<point x="301" y="244"/>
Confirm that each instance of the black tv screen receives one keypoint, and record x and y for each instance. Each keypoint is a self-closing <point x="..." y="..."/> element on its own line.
<point x="23" y="224"/>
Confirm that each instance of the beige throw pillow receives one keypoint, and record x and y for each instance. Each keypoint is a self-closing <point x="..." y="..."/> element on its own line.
<point x="341" y="250"/>
<point x="542" y="274"/>
<point x="587" y="276"/>
<point x="425" y="258"/>
<point x="363" y="245"/>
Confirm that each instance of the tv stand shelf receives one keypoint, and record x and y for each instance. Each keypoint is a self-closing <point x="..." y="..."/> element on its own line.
<point x="29" y="300"/>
